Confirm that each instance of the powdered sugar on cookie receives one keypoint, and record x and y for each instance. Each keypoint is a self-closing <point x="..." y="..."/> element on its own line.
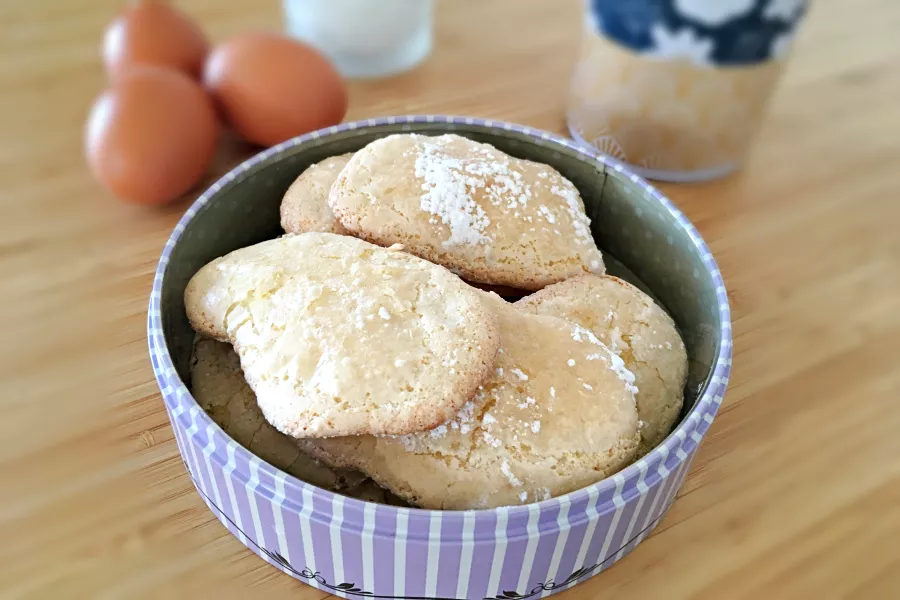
<point x="486" y="215"/>
<point x="447" y="194"/>
<point x="580" y="220"/>
<point x="513" y="480"/>
<point x="616" y="364"/>
<point x="648" y="354"/>
<point x="508" y="438"/>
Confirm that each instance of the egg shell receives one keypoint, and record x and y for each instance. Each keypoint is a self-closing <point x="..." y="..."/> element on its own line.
<point x="151" y="136"/>
<point x="154" y="33"/>
<point x="271" y="88"/>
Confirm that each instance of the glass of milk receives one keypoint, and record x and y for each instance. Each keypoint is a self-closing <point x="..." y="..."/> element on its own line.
<point x="364" y="38"/>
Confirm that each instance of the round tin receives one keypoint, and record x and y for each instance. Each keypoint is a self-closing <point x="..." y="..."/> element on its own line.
<point x="357" y="549"/>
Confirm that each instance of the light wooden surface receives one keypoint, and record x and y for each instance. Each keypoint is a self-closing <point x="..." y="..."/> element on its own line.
<point x="794" y="494"/>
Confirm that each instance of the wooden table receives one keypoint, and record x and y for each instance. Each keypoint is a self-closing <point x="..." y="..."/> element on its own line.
<point x="796" y="491"/>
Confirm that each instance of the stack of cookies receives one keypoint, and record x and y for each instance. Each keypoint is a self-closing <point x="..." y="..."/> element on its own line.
<point x="367" y="352"/>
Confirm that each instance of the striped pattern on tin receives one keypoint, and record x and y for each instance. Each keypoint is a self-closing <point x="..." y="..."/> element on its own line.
<point x="311" y="534"/>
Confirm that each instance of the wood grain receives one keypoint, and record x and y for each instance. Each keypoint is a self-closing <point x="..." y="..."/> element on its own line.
<point x="794" y="494"/>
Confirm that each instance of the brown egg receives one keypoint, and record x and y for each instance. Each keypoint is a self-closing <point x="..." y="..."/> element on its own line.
<point x="271" y="88"/>
<point x="154" y="33"/>
<point x="151" y="136"/>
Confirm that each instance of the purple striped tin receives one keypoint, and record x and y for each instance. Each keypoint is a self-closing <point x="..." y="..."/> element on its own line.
<point x="357" y="549"/>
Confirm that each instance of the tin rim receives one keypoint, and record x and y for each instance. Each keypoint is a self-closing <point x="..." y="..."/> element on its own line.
<point x="647" y="471"/>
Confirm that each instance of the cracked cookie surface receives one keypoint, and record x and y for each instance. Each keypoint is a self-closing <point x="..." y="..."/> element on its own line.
<point x="635" y="328"/>
<point x="490" y="217"/>
<point x="557" y="414"/>
<point x="337" y="336"/>
<point x="218" y="386"/>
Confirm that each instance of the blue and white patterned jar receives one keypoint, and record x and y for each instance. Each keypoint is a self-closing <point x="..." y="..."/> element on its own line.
<point x="677" y="88"/>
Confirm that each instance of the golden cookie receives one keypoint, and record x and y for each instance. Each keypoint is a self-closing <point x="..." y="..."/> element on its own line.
<point x="557" y="414"/>
<point x="487" y="216"/>
<point x="337" y="336"/>
<point x="635" y="328"/>
<point x="218" y="386"/>
<point x="305" y="204"/>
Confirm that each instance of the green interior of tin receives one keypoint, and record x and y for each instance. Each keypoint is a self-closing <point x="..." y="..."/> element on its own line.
<point x="641" y="241"/>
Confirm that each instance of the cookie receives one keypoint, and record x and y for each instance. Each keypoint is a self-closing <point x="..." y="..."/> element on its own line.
<point x="487" y="216"/>
<point x="337" y="336"/>
<point x="635" y="328"/>
<point x="557" y="414"/>
<point x="218" y="386"/>
<point x="305" y="204"/>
